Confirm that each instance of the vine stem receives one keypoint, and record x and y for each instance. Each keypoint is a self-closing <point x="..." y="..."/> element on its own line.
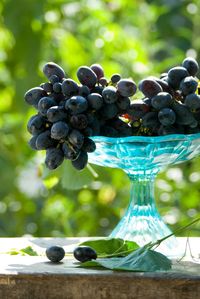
<point x="155" y="244"/>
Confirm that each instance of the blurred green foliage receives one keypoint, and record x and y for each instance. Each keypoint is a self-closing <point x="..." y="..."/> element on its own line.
<point x="134" y="38"/>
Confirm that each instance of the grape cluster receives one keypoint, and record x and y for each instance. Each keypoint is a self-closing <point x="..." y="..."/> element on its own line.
<point x="68" y="113"/>
<point x="171" y="103"/>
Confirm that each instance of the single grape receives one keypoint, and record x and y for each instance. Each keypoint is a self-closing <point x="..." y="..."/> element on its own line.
<point x="138" y="109"/>
<point x="98" y="70"/>
<point x="70" y="152"/>
<point x="150" y="120"/>
<point x="183" y="114"/>
<point x="33" y="95"/>
<point x="88" y="132"/>
<point x="97" y="89"/>
<point x="161" y="100"/>
<point x="86" y="76"/>
<point x="84" y="91"/>
<point x="36" y="124"/>
<point x="44" y="140"/>
<point x="56" y="113"/>
<point x="115" y="78"/>
<point x="55" y="253"/>
<point x="79" y="121"/>
<point x="54" y="158"/>
<point x="48" y="87"/>
<point x="103" y="81"/>
<point x="89" y="145"/>
<point x="70" y="87"/>
<point x="81" y="161"/>
<point x="108" y="131"/>
<point x="95" y="101"/>
<point x="165" y="86"/>
<point x="149" y="87"/>
<point x="52" y="68"/>
<point x="108" y="111"/>
<point x="95" y="127"/>
<point x="59" y="130"/>
<point x="57" y="87"/>
<point x="84" y="253"/>
<point x="126" y="87"/>
<point x="192" y="101"/>
<point x="109" y="94"/>
<point x="76" y="138"/>
<point x="188" y="85"/>
<point x="167" y="116"/>
<point x="44" y="104"/>
<point x="123" y="103"/>
<point x="175" y="75"/>
<point x="191" y="65"/>
<point x="77" y="104"/>
<point x="54" y="79"/>
<point x="32" y="142"/>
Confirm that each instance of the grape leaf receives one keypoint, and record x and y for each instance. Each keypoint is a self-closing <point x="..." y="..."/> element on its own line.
<point x="140" y="260"/>
<point x="111" y="246"/>
<point x="24" y="251"/>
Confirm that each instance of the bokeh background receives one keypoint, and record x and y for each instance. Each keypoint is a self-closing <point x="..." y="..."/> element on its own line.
<point x="134" y="38"/>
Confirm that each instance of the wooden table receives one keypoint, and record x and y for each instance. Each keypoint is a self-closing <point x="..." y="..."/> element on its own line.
<point x="34" y="277"/>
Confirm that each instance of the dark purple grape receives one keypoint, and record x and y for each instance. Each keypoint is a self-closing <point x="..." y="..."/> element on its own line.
<point x="165" y="86"/>
<point x="44" y="141"/>
<point x="95" y="101"/>
<point x="108" y="111"/>
<point x="95" y="127"/>
<point x="98" y="70"/>
<point x="57" y="87"/>
<point x="115" y="78"/>
<point x="36" y="124"/>
<point x="81" y="161"/>
<point x="70" y="87"/>
<point x="192" y="101"/>
<point x="44" y="104"/>
<point x="59" y="130"/>
<point x="167" y="116"/>
<point x="54" y="79"/>
<point x="48" y="87"/>
<point x="84" y="253"/>
<point x="103" y="81"/>
<point x="123" y="103"/>
<point x="79" y="121"/>
<point x="56" y="113"/>
<point x="149" y="87"/>
<point x="55" y="253"/>
<point x="84" y="91"/>
<point x="88" y="132"/>
<point x="54" y="158"/>
<point x="70" y="152"/>
<point x="86" y="76"/>
<point x="58" y="97"/>
<point x="126" y="87"/>
<point x="150" y="120"/>
<point x="33" y="95"/>
<point x="175" y="75"/>
<point x="188" y="85"/>
<point x="76" y="138"/>
<point x="52" y="68"/>
<point x="166" y="130"/>
<point x="161" y="100"/>
<point x="183" y="115"/>
<point x="138" y="109"/>
<point x="97" y="89"/>
<point x="32" y="142"/>
<point x="89" y="145"/>
<point x="77" y="104"/>
<point x="109" y="94"/>
<point x="191" y="65"/>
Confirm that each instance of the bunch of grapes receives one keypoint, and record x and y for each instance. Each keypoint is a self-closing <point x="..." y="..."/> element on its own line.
<point x="171" y="103"/>
<point x="68" y="113"/>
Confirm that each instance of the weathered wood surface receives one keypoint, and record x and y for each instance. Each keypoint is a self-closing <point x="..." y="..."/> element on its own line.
<point x="33" y="277"/>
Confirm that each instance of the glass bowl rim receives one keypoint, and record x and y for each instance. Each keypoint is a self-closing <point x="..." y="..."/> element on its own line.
<point x="146" y="139"/>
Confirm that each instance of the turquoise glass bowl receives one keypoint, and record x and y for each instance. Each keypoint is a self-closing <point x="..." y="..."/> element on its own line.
<point x="142" y="158"/>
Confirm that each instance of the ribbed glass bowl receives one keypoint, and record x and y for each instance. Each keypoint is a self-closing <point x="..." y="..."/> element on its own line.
<point x="142" y="158"/>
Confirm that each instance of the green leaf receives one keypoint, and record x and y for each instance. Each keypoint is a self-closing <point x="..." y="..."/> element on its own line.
<point x="140" y="260"/>
<point x="73" y="179"/>
<point x="111" y="246"/>
<point x="24" y="251"/>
